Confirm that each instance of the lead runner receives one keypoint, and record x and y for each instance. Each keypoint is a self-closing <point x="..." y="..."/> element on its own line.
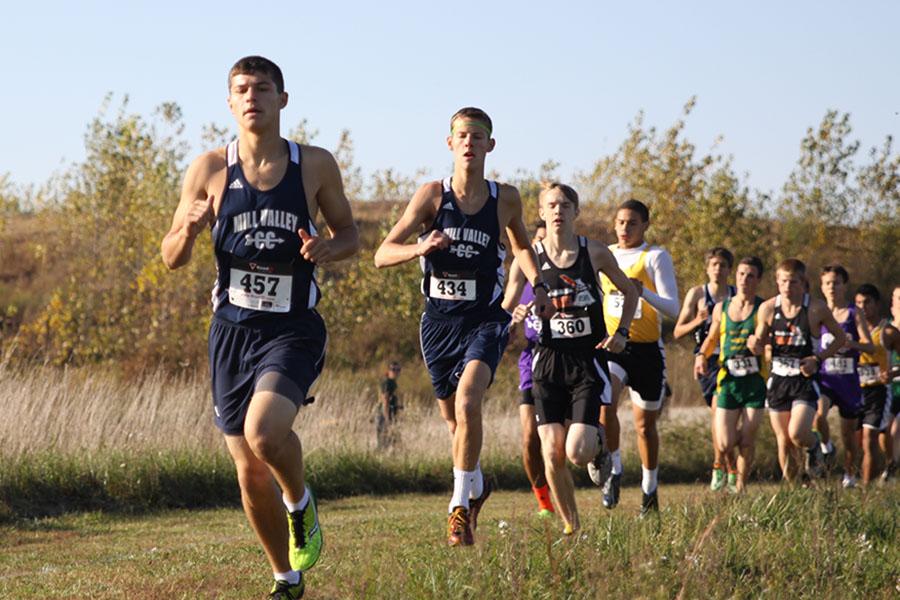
<point x="464" y="329"/>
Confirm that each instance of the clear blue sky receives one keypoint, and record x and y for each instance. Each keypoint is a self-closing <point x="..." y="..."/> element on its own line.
<point x="560" y="82"/>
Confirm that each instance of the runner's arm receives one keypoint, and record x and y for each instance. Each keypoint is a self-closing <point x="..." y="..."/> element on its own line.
<point x="821" y="315"/>
<point x="514" y="287"/>
<point x="193" y="214"/>
<point x="604" y="261"/>
<point x="712" y="338"/>
<point x="890" y="339"/>
<point x="865" y="336"/>
<point x="511" y="207"/>
<point x="335" y="208"/>
<point x="665" y="299"/>
<point x="688" y="318"/>
<point x="419" y="212"/>
<point x="758" y="342"/>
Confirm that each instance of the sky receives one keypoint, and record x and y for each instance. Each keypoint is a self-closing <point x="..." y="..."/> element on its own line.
<point x="560" y="82"/>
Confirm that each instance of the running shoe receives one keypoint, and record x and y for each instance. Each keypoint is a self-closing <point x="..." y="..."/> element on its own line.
<point x="718" y="480"/>
<point x="545" y="514"/>
<point x="475" y="504"/>
<point x="458" y="531"/>
<point x="282" y="590"/>
<point x="889" y="471"/>
<point x="731" y="486"/>
<point x="305" y="536"/>
<point x="649" y="503"/>
<point x="568" y="530"/>
<point x="815" y="463"/>
<point x="848" y="482"/>
<point x="611" y="490"/>
<point x="600" y="468"/>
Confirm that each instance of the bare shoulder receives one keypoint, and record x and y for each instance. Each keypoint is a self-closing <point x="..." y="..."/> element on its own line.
<point x="317" y="158"/>
<point x="508" y="194"/>
<point x="206" y="174"/>
<point x="209" y="162"/>
<point x="818" y="307"/>
<point x="767" y="306"/>
<point x="693" y="294"/>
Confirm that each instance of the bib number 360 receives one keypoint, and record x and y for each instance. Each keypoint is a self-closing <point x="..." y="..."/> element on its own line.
<point x="569" y="327"/>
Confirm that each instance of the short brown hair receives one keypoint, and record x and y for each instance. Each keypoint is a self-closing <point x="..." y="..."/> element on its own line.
<point x="792" y="266"/>
<point x="476" y="114"/>
<point x="250" y="65"/>
<point x="637" y="206"/>
<point x="720" y="252"/>
<point x="839" y="270"/>
<point x="567" y="190"/>
<point x="755" y="262"/>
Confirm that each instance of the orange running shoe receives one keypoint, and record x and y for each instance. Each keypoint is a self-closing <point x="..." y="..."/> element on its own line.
<point x="459" y="533"/>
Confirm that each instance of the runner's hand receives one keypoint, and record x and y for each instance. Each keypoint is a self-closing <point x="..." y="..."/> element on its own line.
<point x="199" y="216"/>
<point x="541" y="306"/>
<point x="314" y="248"/>
<point x="755" y="345"/>
<point x="614" y="343"/>
<point x="436" y="240"/>
<point x="702" y="315"/>
<point x="520" y="312"/>
<point x="700" y="366"/>
<point x="809" y="366"/>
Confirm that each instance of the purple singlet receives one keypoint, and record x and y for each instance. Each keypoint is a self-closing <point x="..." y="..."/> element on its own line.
<point x="838" y="375"/>
<point x="532" y="334"/>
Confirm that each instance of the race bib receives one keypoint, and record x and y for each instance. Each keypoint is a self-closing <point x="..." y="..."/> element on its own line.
<point x="452" y="285"/>
<point x="785" y="367"/>
<point x="869" y="374"/>
<point x="615" y="301"/>
<point x="260" y="286"/>
<point x="742" y="366"/>
<point x="838" y="365"/>
<point x="569" y="327"/>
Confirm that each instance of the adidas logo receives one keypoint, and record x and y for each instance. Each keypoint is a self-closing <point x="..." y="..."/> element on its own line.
<point x="236" y="185"/>
<point x="447" y="206"/>
<point x="546" y="267"/>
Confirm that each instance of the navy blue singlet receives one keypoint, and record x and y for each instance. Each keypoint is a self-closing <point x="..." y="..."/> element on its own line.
<point x="260" y="274"/>
<point x="467" y="278"/>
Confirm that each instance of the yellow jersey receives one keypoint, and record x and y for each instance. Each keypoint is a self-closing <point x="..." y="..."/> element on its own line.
<point x="872" y="365"/>
<point x="645" y="327"/>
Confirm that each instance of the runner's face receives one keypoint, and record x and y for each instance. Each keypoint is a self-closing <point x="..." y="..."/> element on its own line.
<point x="470" y="142"/>
<point x="895" y="304"/>
<point x="557" y="211"/>
<point x="868" y="306"/>
<point x="717" y="270"/>
<point x="833" y="287"/>
<point x="630" y="228"/>
<point x="790" y="285"/>
<point x="254" y="100"/>
<point x="746" y="280"/>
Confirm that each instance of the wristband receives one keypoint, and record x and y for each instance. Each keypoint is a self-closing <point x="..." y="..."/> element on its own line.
<point x="623" y="331"/>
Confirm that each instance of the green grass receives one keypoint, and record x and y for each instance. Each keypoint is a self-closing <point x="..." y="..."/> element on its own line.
<point x="774" y="542"/>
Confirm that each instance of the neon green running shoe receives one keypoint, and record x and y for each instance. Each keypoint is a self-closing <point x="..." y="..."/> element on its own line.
<point x="282" y="590"/>
<point x="545" y="514"/>
<point x="718" y="480"/>
<point x="732" y="483"/>
<point x="305" y="536"/>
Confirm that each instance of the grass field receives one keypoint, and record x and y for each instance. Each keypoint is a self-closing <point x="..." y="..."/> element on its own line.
<point x="774" y="543"/>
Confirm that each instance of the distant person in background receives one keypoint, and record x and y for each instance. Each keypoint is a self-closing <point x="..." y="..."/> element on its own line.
<point x="839" y="376"/>
<point x="642" y="365"/>
<point x="388" y="406"/>
<point x="789" y="322"/>
<point x="261" y="195"/>
<point x="695" y="319"/>
<point x="531" y="443"/>
<point x="874" y="376"/>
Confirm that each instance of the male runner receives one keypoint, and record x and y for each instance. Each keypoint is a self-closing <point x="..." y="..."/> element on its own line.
<point x="570" y="374"/>
<point x="262" y="194"/>
<point x="531" y="443"/>
<point x="890" y="437"/>
<point x="787" y="322"/>
<point x="464" y="329"/>
<point x="642" y="365"/>
<point x="874" y="376"/>
<point x="838" y="377"/>
<point x="388" y="407"/>
<point x="740" y="387"/>
<point x="695" y="318"/>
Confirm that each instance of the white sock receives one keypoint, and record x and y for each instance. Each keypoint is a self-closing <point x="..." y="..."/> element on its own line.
<point x="292" y="577"/>
<point x="295" y="506"/>
<point x="616" y="461"/>
<point x="826" y="447"/>
<point x="462" y="488"/>
<point x="648" y="480"/>
<point x="477" y="482"/>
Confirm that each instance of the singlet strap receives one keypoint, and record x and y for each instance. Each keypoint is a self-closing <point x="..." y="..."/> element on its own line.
<point x="493" y="189"/>
<point x="295" y="151"/>
<point x="445" y="184"/>
<point x="231" y="153"/>
<point x="805" y="300"/>
<point x="539" y="248"/>
<point x="582" y="241"/>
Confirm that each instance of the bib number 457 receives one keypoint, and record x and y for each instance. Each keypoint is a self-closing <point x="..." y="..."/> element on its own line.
<point x="260" y="284"/>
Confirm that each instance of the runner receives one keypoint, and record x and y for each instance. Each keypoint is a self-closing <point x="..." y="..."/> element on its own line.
<point x="570" y="374"/>
<point x="464" y="329"/>
<point x="695" y="318"/>
<point x="839" y="378"/>
<point x="788" y="321"/>
<point x="874" y="376"/>
<point x="262" y="194"/>
<point x="641" y="366"/>
<point x="388" y="407"/>
<point x="531" y="443"/>
<point x="740" y="387"/>
<point x="890" y="437"/>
